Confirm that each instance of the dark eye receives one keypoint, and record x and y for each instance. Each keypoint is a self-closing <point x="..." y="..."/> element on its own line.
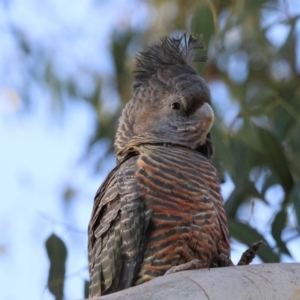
<point x="176" y="105"/>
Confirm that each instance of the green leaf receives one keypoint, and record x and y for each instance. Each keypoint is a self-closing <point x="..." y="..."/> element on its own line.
<point x="203" y="22"/>
<point x="270" y="180"/>
<point x="275" y="158"/>
<point x="240" y="163"/>
<point x="254" y="5"/>
<point x="204" y="25"/>
<point x="263" y="97"/>
<point x="57" y="253"/>
<point x="233" y="202"/>
<point x="242" y="193"/>
<point x="248" y="135"/>
<point x="248" y="235"/>
<point x="277" y="228"/>
<point x="86" y="289"/>
<point x="295" y="199"/>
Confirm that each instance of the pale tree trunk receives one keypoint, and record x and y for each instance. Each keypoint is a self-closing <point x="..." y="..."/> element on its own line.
<point x="257" y="282"/>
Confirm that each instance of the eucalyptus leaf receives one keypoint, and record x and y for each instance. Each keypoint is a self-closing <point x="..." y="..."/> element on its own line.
<point x="275" y="158"/>
<point x="57" y="253"/>
<point x="295" y="199"/>
<point x="86" y="289"/>
<point x="277" y="228"/>
<point x="270" y="180"/>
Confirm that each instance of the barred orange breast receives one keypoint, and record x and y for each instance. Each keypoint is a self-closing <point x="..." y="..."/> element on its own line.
<point x="181" y="187"/>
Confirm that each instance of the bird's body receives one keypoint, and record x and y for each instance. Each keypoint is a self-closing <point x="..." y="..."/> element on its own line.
<point x="187" y="211"/>
<point x="161" y="206"/>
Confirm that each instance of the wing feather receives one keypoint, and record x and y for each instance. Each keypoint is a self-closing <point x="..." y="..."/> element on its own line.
<point x="117" y="231"/>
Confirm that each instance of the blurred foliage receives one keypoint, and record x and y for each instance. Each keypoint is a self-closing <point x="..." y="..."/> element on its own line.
<point x="260" y="147"/>
<point x="86" y="289"/>
<point x="57" y="253"/>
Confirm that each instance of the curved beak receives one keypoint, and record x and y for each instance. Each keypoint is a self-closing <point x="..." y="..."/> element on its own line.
<point x="206" y="116"/>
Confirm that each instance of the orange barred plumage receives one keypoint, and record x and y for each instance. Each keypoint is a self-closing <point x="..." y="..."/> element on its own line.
<point x="183" y="192"/>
